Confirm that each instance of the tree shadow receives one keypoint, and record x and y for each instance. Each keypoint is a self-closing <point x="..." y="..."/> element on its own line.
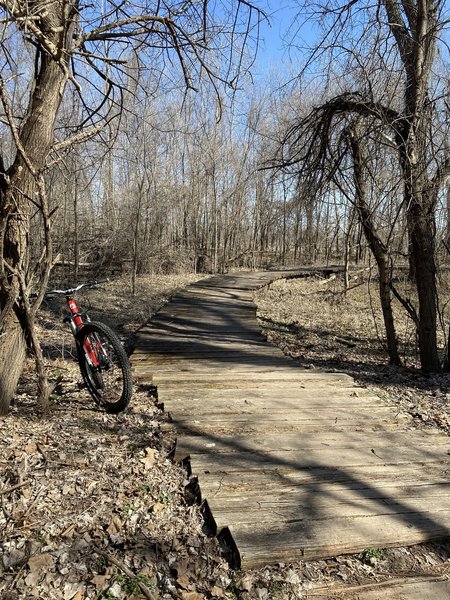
<point x="322" y="491"/>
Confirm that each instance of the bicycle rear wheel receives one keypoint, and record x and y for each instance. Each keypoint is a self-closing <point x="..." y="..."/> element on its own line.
<point x="104" y="366"/>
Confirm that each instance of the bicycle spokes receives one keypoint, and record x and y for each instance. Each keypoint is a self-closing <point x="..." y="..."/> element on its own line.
<point x="105" y="367"/>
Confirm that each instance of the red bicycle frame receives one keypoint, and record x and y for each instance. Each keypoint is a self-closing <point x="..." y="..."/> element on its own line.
<point x="76" y="323"/>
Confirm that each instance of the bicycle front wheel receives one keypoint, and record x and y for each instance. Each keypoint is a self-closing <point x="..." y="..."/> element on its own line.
<point x="104" y="366"/>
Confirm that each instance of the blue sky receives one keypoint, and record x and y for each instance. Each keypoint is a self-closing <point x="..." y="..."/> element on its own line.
<point x="273" y="47"/>
<point x="274" y="51"/>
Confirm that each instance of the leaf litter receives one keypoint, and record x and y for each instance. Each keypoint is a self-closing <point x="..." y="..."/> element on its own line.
<point x="92" y="506"/>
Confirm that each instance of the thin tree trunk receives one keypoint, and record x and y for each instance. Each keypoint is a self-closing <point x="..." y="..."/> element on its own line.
<point x="76" y="245"/>
<point x="378" y="249"/>
<point x="347" y="252"/>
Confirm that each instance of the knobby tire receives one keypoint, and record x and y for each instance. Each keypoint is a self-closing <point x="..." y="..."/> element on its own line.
<point x="110" y="385"/>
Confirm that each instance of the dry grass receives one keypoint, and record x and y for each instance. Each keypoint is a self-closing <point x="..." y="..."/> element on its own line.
<point x="320" y="313"/>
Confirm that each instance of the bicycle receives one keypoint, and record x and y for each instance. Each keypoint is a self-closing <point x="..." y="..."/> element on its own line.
<point x="103" y="362"/>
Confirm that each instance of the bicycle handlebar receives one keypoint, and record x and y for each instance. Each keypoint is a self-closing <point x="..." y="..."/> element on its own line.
<point x="70" y="291"/>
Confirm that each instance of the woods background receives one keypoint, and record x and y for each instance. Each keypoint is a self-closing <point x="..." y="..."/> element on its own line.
<point x="136" y="138"/>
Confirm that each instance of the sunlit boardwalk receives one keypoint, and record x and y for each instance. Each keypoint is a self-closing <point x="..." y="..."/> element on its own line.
<point x="291" y="463"/>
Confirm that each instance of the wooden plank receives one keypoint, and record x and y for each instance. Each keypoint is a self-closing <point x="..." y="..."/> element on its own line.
<point x="292" y="395"/>
<point x="330" y="505"/>
<point x="303" y="503"/>
<point x="204" y="349"/>
<point x="249" y="355"/>
<point x="278" y="375"/>
<point x="188" y="322"/>
<point x="264" y="429"/>
<point x="390" y="441"/>
<point x="171" y="316"/>
<point x="200" y="337"/>
<point x="301" y="401"/>
<point x="205" y="404"/>
<point x="252" y="459"/>
<point x="194" y="305"/>
<point x="251" y="416"/>
<point x="207" y="293"/>
<point x="300" y="501"/>
<point x="220" y="482"/>
<point x="170" y="382"/>
<point x="340" y="535"/>
<point x="225" y="425"/>
<point x="410" y="588"/>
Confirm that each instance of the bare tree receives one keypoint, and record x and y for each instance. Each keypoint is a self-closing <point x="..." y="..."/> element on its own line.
<point x="84" y="49"/>
<point x="405" y="121"/>
<point x="379" y="249"/>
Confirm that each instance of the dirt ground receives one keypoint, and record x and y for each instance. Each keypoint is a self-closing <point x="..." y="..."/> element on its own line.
<point x="91" y="505"/>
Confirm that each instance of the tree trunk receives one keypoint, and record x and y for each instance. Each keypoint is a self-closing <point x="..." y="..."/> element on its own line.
<point x="378" y="249"/>
<point x="422" y="231"/>
<point x="347" y="252"/>
<point x="416" y="44"/>
<point x="36" y="137"/>
<point x="420" y="214"/>
<point x="76" y="245"/>
<point x="12" y="357"/>
<point x="447" y="237"/>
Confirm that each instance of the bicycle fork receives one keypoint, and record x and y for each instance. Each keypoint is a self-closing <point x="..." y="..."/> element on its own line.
<point x="76" y="323"/>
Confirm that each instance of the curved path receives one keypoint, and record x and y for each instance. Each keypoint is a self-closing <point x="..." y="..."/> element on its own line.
<point x="291" y="463"/>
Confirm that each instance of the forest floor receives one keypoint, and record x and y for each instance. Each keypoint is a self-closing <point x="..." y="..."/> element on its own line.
<point x="90" y="505"/>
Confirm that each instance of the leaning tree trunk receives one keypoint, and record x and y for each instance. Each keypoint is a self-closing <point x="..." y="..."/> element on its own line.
<point x="19" y="186"/>
<point x="377" y="247"/>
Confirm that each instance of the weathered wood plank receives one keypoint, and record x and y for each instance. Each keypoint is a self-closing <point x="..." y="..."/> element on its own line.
<point x="251" y="415"/>
<point x="204" y="404"/>
<point x="263" y="428"/>
<point x="248" y="458"/>
<point x="411" y="588"/>
<point x="262" y="375"/>
<point x="267" y="394"/>
<point x="389" y="441"/>
<point x="319" y="538"/>
<point x="355" y="477"/>
<point x="250" y="352"/>
<point x="302" y="508"/>
<point x="314" y="494"/>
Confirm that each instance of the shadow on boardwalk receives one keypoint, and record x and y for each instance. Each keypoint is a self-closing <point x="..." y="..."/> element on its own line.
<point x="292" y="463"/>
<point x="302" y="523"/>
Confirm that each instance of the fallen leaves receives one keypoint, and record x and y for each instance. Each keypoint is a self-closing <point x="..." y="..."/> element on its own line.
<point x="91" y="506"/>
<point x="149" y="459"/>
<point x="191" y="596"/>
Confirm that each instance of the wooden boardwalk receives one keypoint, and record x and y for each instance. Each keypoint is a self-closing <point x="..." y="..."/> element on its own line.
<point x="291" y="463"/>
